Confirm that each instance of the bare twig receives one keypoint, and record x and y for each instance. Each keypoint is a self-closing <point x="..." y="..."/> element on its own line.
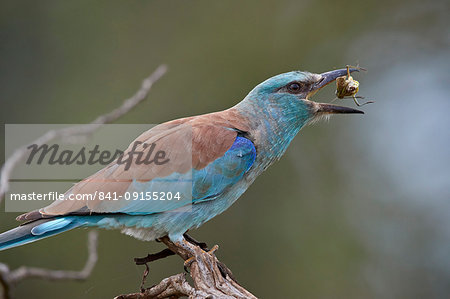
<point x="9" y="278"/>
<point x="112" y="116"/>
<point x="212" y="279"/>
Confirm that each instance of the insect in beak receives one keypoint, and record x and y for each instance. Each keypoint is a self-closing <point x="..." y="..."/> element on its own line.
<point x="346" y="86"/>
<point x="327" y="78"/>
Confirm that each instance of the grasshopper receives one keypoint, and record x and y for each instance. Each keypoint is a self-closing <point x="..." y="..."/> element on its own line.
<point x="346" y="86"/>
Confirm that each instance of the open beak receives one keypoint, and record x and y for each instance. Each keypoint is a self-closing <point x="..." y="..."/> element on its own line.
<point x="325" y="79"/>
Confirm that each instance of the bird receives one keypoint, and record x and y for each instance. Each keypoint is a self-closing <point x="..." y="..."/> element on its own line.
<point x="213" y="159"/>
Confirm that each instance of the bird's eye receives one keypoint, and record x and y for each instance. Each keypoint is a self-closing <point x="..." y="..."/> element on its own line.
<point x="294" y="87"/>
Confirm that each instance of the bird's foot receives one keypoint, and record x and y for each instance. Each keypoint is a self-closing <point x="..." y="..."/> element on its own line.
<point x="188" y="262"/>
<point x="202" y="245"/>
<point x="214" y="249"/>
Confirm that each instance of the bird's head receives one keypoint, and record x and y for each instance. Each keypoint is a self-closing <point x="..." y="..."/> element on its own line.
<point x="286" y="97"/>
<point x="280" y="106"/>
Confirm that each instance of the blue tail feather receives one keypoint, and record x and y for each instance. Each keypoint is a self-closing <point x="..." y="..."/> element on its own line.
<point x="50" y="226"/>
<point x="36" y="230"/>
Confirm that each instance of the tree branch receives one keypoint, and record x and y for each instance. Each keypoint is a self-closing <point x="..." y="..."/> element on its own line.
<point x="212" y="279"/>
<point x="173" y="286"/>
<point x="9" y="278"/>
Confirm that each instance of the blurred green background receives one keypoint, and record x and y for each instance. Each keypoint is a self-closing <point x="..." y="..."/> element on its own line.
<point x="358" y="207"/>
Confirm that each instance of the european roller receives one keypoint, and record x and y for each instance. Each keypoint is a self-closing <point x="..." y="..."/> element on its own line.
<point x="229" y="150"/>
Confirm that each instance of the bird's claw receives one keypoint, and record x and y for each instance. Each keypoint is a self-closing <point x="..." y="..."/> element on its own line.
<point x="188" y="262"/>
<point x="214" y="249"/>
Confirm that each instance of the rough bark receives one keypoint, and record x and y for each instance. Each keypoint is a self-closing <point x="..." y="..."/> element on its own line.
<point x="212" y="279"/>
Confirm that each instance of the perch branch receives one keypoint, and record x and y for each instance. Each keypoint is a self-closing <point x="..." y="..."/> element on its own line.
<point x="212" y="279"/>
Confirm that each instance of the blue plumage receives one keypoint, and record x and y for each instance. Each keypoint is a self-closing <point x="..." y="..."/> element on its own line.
<point x="224" y="172"/>
<point x="217" y="176"/>
<point x="36" y="230"/>
<point x="50" y="226"/>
